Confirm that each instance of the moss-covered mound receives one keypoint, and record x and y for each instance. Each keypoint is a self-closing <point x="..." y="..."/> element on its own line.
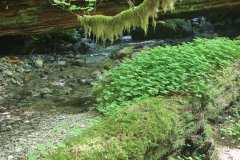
<point x="189" y="69"/>
<point x="148" y="129"/>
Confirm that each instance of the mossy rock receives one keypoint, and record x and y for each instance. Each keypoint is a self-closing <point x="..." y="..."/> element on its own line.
<point x="125" y="52"/>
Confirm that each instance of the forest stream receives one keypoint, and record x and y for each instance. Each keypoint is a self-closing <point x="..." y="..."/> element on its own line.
<point x="46" y="98"/>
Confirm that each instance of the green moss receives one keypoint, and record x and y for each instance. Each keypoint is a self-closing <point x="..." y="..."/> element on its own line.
<point x="108" y="27"/>
<point x="208" y="131"/>
<point x="147" y="130"/>
<point x="25" y="16"/>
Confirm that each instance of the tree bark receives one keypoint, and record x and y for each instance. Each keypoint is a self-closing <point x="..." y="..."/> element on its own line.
<point x="29" y="17"/>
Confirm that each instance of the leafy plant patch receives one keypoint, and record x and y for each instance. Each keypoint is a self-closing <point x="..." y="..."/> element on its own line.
<point x="186" y="69"/>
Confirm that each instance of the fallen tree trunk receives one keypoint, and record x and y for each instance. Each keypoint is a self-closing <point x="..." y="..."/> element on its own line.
<point x="35" y="17"/>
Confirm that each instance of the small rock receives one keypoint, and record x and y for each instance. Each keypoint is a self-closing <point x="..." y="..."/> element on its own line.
<point x="84" y="81"/>
<point x="20" y="69"/>
<point x="112" y="48"/>
<point x="39" y="63"/>
<point x="51" y="59"/>
<point x="85" y="40"/>
<point x="2" y="109"/>
<point x="18" y="150"/>
<point x="126" y="38"/>
<point x="126" y="50"/>
<point x="8" y="128"/>
<point x="13" y="81"/>
<point x="62" y="63"/>
<point x="79" y="62"/>
<point x="26" y="121"/>
<point x="10" y="157"/>
<point x="27" y="68"/>
<point x="70" y="55"/>
<point x="8" y="73"/>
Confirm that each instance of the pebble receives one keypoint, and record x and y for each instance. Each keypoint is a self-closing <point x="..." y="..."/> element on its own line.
<point x="62" y="63"/>
<point x="8" y="128"/>
<point x="79" y="62"/>
<point x="18" y="150"/>
<point x="10" y="157"/>
<point x="39" y="63"/>
<point x="8" y="73"/>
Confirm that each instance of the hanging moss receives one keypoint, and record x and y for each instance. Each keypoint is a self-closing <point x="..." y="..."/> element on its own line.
<point x="110" y="27"/>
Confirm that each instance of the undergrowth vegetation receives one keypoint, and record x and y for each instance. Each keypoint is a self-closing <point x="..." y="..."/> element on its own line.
<point x="186" y="69"/>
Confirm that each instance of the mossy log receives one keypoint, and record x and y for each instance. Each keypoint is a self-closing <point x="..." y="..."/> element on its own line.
<point x="35" y="17"/>
<point x="152" y="128"/>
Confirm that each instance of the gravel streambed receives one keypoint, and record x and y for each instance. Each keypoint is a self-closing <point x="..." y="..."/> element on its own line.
<point x="50" y="132"/>
<point x="44" y="99"/>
